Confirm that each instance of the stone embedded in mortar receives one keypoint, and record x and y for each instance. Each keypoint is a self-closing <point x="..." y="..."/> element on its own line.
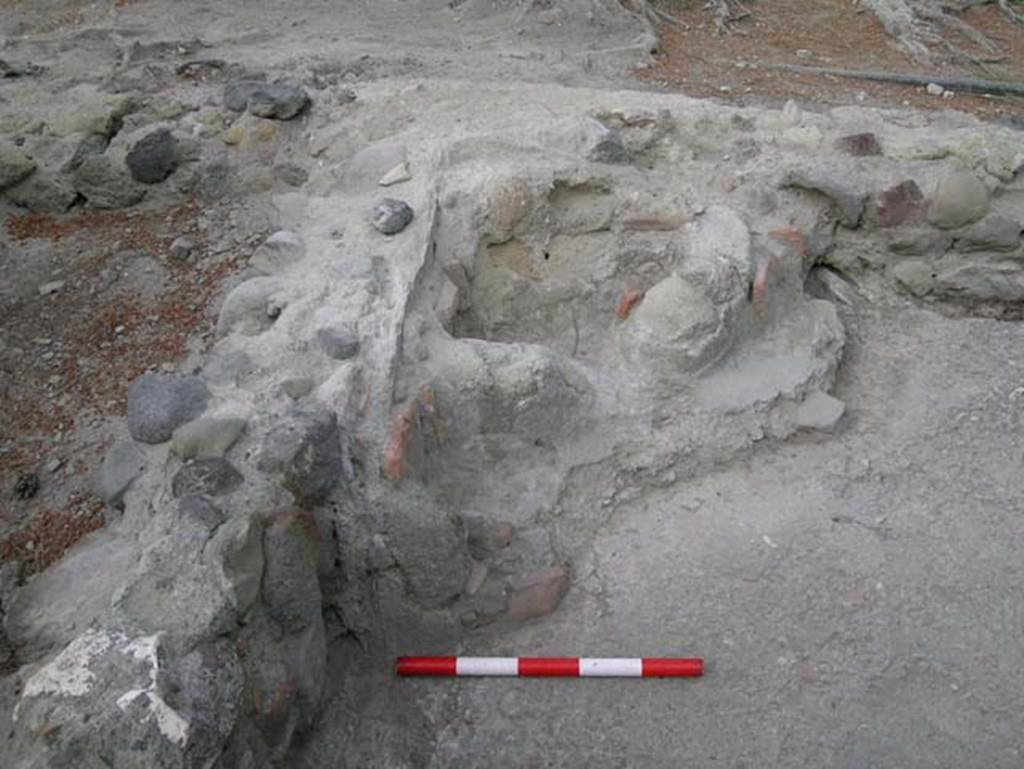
<point x="268" y="100"/>
<point x="920" y="242"/>
<point x="915" y="275"/>
<point x="206" y="437"/>
<point x="859" y="145"/>
<point x="993" y="233"/>
<point x="297" y="387"/>
<point x="206" y="685"/>
<point x="228" y="367"/>
<point x="396" y="175"/>
<point x="281" y="250"/>
<point x="485" y="536"/>
<point x="106" y="186"/>
<point x="43" y="193"/>
<point x="213" y="476"/>
<point x="819" y="411"/>
<point x="291" y="174"/>
<point x="338" y="342"/>
<point x="291" y="591"/>
<point x="130" y="699"/>
<point x="247" y="307"/>
<point x="305" y="452"/>
<point x="429" y="545"/>
<point x="159" y="403"/>
<point x="848" y="202"/>
<point x="153" y="158"/>
<point x="675" y="324"/>
<point x="960" y="198"/>
<point x="286" y="679"/>
<point x="213" y="177"/>
<point x="608" y="147"/>
<point x="15" y="165"/>
<point x="391" y="216"/>
<point x="201" y="510"/>
<point x="122" y="464"/>
<point x="238" y="545"/>
<point x="365" y="169"/>
<point x="85" y="146"/>
<point x="182" y="248"/>
<point x="538" y="593"/>
<point x="901" y="204"/>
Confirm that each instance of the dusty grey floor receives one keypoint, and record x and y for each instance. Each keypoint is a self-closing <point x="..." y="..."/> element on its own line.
<point x="857" y="598"/>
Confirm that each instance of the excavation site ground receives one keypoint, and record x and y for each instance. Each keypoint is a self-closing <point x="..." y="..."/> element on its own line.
<point x="339" y="331"/>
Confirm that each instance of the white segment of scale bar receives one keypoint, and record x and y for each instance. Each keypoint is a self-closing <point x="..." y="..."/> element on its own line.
<point x="617" y="667"/>
<point x="487" y="666"/>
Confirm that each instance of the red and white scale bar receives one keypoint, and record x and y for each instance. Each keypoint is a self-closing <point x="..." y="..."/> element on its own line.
<point x="549" y="667"/>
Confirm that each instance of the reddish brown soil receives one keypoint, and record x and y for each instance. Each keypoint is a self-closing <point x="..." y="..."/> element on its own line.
<point x="697" y="60"/>
<point x="116" y="336"/>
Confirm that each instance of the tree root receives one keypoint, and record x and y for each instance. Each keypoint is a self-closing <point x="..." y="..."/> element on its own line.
<point x="961" y="84"/>
<point x="726" y="15"/>
<point x="920" y="26"/>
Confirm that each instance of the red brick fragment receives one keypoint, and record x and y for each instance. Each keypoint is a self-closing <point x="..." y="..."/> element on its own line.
<point x="629" y="301"/>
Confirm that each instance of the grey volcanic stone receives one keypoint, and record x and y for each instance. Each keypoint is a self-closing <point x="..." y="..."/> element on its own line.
<point x="201" y="510"/>
<point x="44" y="193"/>
<point x="121" y="466"/>
<point x="849" y="203"/>
<point x="182" y="247"/>
<point x="291" y="174"/>
<point x="298" y="387"/>
<point x="290" y="589"/>
<point x="269" y="100"/>
<point x="213" y="180"/>
<point x="993" y="233"/>
<point x="159" y="403"/>
<point x="608" y="148"/>
<point x="960" y="199"/>
<point x="391" y="216"/>
<point x="859" y="145"/>
<point x="305" y="452"/>
<point x="15" y="165"/>
<point x="340" y="343"/>
<point x="106" y="186"/>
<point x="153" y="158"/>
<point x="212" y="476"/>
<point x="129" y="698"/>
<point x="208" y="437"/>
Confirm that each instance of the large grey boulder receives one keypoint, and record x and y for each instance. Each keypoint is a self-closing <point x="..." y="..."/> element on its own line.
<point x="268" y="100"/>
<point x="159" y="403"/>
<point x="123" y="700"/>
<point x="960" y="198"/>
